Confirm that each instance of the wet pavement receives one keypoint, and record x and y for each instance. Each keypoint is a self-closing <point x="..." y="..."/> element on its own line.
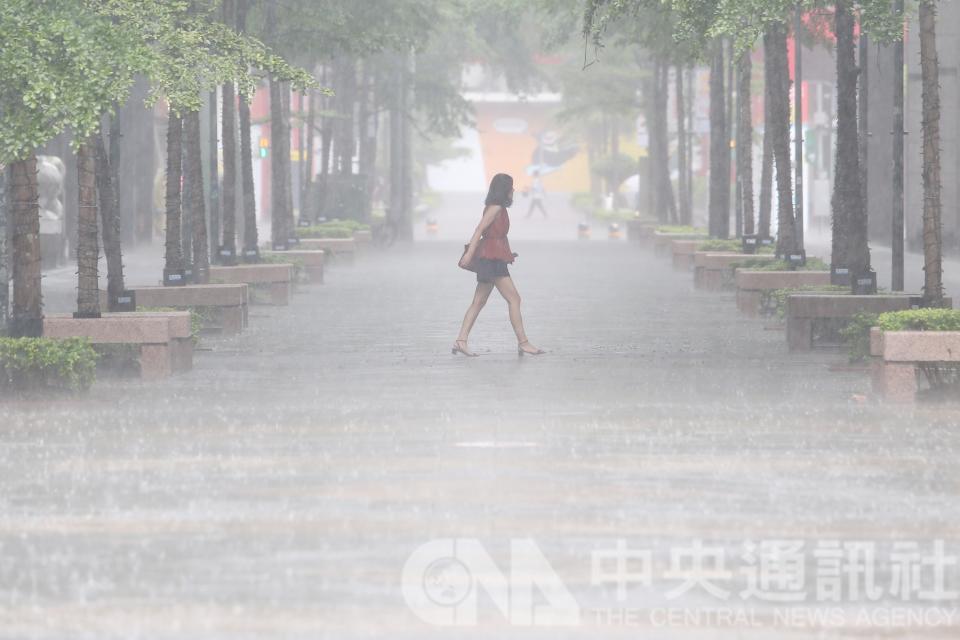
<point x="278" y="489"/>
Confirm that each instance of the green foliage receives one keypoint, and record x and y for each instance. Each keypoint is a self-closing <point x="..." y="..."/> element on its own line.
<point x="774" y="303"/>
<point x="813" y="264"/>
<point x="715" y="244"/>
<point x="920" y="320"/>
<point x="191" y="52"/>
<point x="681" y="230"/>
<point x="62" y="66"/>
<point x="856" y="335"/>
<point x="64" y="63"/>
<point x="332" y="229"/>
<point x="33" y="364"/>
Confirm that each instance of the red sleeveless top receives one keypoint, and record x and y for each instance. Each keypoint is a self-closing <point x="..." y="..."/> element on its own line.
<point x="493" y="242"/>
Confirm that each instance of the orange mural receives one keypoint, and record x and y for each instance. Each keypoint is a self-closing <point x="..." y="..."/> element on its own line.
<point x="519" y="138"/>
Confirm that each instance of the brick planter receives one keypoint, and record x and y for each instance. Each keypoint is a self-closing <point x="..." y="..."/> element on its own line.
<point x="163" y="338"/>
<point x="683" y="251"/>
<point x="277" y="279"/>
<point x="713" y="271"/>
<point x="661" y="241"/>
<point x="340" y="249"/>
<point x="896" y="355"/>
<point x="312" y="261"/>
<point x="751" y="285"/>
<point x="226" y="302"/>
<point x="804" y="310"/>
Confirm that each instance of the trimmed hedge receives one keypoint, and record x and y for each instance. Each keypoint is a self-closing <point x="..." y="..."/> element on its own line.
<point x="813" y="264"/>
<point x="857" y="333"/>
<point x="28" y="364"/>
<point x="681" y="229"/>
<point x="332" y="229"/>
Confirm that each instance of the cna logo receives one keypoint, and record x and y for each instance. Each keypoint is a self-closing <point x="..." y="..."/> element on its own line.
<point x="442" y="580"/>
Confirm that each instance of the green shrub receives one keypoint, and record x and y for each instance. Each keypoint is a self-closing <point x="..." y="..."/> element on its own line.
<point x="715" y="244"/>
<point x="681" y="229"/>
<point x="813" y="264"/>
<point x="332" y="229"/>
<point x="28" y="364"/>
<point x="774" y="303"/>
<point x="856" y="335"/>
<point x="920" y="320"/>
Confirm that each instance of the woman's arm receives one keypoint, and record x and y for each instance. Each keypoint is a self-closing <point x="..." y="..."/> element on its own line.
<point x="489" y="214"/>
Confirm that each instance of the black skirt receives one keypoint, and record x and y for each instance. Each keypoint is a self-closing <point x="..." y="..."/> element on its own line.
<point x="488" y="270"/>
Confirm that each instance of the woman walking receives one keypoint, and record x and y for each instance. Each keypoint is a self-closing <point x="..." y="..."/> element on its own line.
<point x="489" y="254"/>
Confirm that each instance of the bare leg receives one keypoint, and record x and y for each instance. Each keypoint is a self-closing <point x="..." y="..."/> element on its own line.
<point x="509" y="292"/>
<point x="479" y="299"/>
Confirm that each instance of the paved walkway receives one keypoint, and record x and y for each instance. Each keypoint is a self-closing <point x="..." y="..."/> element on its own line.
<point x="278" y="489"/>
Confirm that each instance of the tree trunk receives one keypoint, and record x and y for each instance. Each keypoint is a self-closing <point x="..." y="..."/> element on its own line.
<point x="278" y="214"/>
<point x="897" y="232"/>
<point x="932" y="233"/>
<point x="849" y="215"/>
<point x="780" y="112"/>
<point x="665" y="187"/>
<point x="682" y="192"/>
<point x="4" y="260"/>
<point x="88" y="246"/>
<point x="731" y="123"/>
<point x="766" y="166"/>
<point x="214" y="236"/>
<point x="228" y="245"/>
<point x="719" y="207"/>
<point x="251" y="252"/>
<point x="290" y="223"/>
<point x="186" y="213"/>
<point x="26" y="314"/>
<point x="346" y="91"/>
<point x="863" y="106"/>
<point x="307" y="206"/>
<point x="110" y="217"/>
<point x="193" y="176"/>
<point x="173" y="257"/>
<point x="745" y="142"/>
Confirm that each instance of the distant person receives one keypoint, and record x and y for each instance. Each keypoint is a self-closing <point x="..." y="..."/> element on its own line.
<point x="488" y="254"/>
<point x="536" y="195"/>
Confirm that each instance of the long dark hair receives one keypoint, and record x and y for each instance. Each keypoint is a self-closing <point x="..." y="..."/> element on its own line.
<point x="500" y="191"/>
